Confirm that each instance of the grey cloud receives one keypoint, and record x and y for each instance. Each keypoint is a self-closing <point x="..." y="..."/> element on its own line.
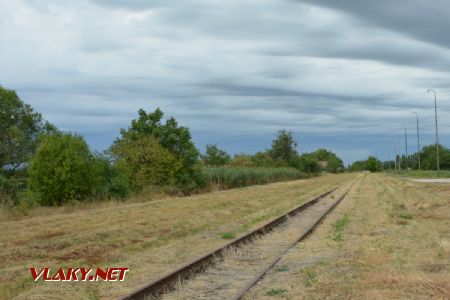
<point x="344" y="75"/>
<point x="130" y="4"/>
<point x="424" y="20"/>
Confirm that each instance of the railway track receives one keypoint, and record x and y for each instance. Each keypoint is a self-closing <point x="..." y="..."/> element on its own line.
<point x="231" y="270"/>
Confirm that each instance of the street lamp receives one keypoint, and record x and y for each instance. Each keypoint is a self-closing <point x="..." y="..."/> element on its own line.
<point x="437" y="135"/>
<point x="418" y="138"/>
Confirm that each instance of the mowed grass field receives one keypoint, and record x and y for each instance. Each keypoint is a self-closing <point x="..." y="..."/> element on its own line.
<point x="422" y="174"/>
<point x="150" y="238"/>
<point x="389" y="239"/>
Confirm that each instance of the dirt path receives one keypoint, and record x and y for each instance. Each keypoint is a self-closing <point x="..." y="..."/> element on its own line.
<point x="389" y="239"/>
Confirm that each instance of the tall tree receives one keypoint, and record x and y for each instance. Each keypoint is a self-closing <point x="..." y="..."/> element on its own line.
<point x="428" y="157"/>
<point x="20" y="127"/>
<point x="176" y="139"/>
<point x="283" y="147"/>
<point x="333" y="163"/>
<point x="215" y="157"/>
<point x="373" y="164"/>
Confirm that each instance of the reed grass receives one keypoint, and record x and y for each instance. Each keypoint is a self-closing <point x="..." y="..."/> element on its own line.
<point x="232" y="177"/>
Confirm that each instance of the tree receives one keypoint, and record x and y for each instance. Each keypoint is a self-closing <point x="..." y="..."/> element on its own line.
<point x="176" y="139"/>
<point x="373" y="164"/>
<point x="283" y="147"/>
<point x="357" y="166"/>
<point x="263" y="159"/>
<point x="20" y="127"/>
<point x="333" y="163"/>
<point x="306" y="162"/>
<point x="145" y="162"/>
<point x="114" y="182"/>
<point x="215" y="157"/>
<point x="62" y="169"/>
<point x="428" y="157"/>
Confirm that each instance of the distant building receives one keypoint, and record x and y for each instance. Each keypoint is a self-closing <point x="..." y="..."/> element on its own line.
<point x="323" y="164"/>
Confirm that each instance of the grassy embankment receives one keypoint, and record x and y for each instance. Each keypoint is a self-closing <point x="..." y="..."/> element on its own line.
<point x="218" y="178"/>
<point x="150" y="237"/>
<point x="389" y="239"/>
<point x="422" y="174"/>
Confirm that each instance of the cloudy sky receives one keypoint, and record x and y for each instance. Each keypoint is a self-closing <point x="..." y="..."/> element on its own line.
<point x="345" y="75"/>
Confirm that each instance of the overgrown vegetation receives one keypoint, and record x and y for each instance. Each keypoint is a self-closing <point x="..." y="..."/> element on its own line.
<point x="276" y="292"/>
<point x="41" y="165"/>
<point x="229" y="235"/>
<point x="372" y="164"/>
<point x="339" y="227"/>
<point x="427" y="156"/>
<point x="310" y="277"/>
<point x="226" y="177"/>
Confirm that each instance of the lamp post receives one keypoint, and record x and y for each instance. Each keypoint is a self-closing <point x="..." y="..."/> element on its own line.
<point x="418" y="138"/>
<point x="437" y="135"/>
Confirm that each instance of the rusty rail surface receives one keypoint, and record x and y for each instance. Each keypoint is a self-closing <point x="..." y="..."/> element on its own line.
<point x="260" y="276"/>
<point x="155" y="288"/>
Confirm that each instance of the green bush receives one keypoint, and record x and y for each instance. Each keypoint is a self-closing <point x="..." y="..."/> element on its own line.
<point x="334" y="163"/>
<point x="175" y="139"/>
<point x="62" y="169"/>
<point x="373" y="164"/>
<point x="9" y="188"/>
<point x="214" y="156"/>
<point x="145" y="162"/>
<point x="26" y="200"/>
<point x="113" y="182"/>
<point x="306" y="163"/>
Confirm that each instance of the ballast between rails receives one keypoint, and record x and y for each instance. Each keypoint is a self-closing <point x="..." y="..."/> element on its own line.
<point x="155" y="288"/>
<point x="309" y="231"/>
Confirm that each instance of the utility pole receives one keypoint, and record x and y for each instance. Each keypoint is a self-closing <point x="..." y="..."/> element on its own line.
<point x="437" y="135"/>
<point x="418" y="138"/>
<point x="395" y="150"/>
<point x="406" y="148"/>
<point x="399" y="154"/>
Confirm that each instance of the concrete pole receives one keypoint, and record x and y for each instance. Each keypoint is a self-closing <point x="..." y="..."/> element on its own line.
<point x="418" y="138"/>
<point x="437" y="134"/>
<point x="406" y="149"/>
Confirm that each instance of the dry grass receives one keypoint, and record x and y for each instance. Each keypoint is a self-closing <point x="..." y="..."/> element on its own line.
<point x="228" y="276"/>
<point x="150" y="238"/>
<point x="381" y="254"/>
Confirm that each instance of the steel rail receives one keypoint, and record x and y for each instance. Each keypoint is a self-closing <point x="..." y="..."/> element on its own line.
<point x="260" y="276"/>
<point x="155" y="288"/>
